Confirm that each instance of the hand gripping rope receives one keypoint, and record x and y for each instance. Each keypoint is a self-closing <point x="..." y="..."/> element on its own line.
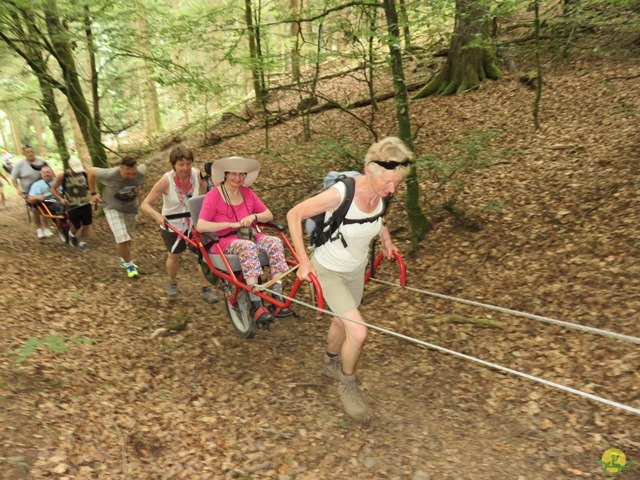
<point x="580" y="393"/>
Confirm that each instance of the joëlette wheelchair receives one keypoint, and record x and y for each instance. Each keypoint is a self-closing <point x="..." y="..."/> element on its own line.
<point x="220" y="267"/>
<point x="55" y="217"/>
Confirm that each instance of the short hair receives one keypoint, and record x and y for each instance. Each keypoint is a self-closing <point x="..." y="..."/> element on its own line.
<point x="24" y="147"/>
<point x="128" y="161"/>
<point x="389" y="149"/>
<point x="180" y="152"/>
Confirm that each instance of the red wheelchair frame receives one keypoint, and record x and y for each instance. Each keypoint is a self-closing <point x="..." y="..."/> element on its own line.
<point x="236" y="291"/>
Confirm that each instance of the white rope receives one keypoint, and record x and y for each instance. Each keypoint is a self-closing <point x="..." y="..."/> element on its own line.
<point x="469" y="357"/>
<point x="530" y="316"/>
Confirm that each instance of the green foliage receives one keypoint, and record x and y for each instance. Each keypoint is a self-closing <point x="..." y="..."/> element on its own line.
<point x="330" y="153"/>
<point x="337" y="153"/>
<point x="451" y="173"/>
<point x="56" y="343"/>
<point x="340" y="424"/>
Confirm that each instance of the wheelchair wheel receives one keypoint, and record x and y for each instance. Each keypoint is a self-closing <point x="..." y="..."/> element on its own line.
<point x="240" y="313"/>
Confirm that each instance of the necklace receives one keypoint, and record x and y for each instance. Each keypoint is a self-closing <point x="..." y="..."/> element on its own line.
<point x="184" y="192"/>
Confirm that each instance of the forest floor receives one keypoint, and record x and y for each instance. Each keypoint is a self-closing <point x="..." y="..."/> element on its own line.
<point x="204" y="403"/>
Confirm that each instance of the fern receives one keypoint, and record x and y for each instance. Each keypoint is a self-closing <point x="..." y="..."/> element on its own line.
<point x="56" y="343"/>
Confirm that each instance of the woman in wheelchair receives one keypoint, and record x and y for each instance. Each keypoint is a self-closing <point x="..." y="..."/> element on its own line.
<point x="231" y="210"/>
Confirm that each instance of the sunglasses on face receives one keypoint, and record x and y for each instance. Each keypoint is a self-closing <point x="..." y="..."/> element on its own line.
<point x="391" y="164"/>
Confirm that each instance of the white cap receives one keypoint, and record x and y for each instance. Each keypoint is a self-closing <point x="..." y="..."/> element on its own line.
<point x="75" y="164"/>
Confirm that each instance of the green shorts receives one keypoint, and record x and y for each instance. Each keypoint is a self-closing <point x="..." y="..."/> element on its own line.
<point x="342" y="291"/>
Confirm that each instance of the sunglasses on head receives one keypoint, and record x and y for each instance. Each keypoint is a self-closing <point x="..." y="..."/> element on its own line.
<point x="391" y="164"/>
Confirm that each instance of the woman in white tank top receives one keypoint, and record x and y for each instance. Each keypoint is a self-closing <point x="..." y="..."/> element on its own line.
<point x="339" y="266"/>
<point x="176" y="187"/>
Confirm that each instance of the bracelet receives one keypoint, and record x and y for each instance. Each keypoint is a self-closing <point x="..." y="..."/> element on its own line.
<point x="256" y="216"/>
<point x="94" y="193"/>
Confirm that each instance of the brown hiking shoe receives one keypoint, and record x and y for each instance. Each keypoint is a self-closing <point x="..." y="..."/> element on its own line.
<point x="352" y="401"/>
<point x="332" y="367"/>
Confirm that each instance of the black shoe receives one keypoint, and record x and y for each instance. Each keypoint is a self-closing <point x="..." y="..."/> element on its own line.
<point x="280" y="312"/>
<point x="261" y="315"/>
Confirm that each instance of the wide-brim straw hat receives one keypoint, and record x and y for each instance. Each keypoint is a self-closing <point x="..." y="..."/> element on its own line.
<point x="235" y="164"/>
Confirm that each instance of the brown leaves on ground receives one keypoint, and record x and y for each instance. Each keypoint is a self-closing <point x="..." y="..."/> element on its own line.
<point x="202" y="403"/>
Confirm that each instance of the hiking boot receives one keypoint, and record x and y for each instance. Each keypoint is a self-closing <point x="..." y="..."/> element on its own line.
<point x="132" y="270"/>
<point x="352" y="401"/>
<point x="208" y="295"/>
<point x="280" y="312"/>
<point x="40" y="233"/>
<point x="82" y="246"/>
<point x="332" y="367"/>
<point x="47" y="233"/>
<point x="172" y="289"/>
<point x="73" y="240"/>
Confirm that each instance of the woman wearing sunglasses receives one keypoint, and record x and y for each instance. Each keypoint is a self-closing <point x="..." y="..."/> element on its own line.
<point x="340" y="265"/>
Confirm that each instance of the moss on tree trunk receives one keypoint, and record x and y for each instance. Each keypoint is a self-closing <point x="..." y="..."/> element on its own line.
<point x="470" y="59"/>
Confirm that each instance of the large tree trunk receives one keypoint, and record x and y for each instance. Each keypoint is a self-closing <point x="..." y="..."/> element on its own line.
<point x="64" y="55"/>
<point x="470" y="60"/>
<point x="418" y="221"/>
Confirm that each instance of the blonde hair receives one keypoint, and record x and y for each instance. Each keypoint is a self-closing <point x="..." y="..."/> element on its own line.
<point x="389" y="149"/>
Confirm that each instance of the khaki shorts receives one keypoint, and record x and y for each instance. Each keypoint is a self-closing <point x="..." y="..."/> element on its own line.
<point x="342" y="291"/>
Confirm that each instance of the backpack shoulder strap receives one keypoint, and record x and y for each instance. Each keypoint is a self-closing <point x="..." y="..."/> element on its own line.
<point x="339" y="214"/>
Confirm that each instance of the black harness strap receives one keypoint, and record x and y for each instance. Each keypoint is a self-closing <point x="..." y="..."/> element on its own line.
<point x="173" y="216"/>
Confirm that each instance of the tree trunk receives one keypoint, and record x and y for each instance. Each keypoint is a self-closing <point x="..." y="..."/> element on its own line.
<point x="91" y="52"/>
<point x="37" y="124"/>
<point x="55" y="122"/>
<point x="5" y="143"/>
<point x="151" y="102"/>
<point x="15" y="133"/>
<point x="404" y="18"/>
<point x="295" y="41"/>
<point x="64" y="55"/>
<point x="471" y="60"/>
<point x="254" y="53"/>
<point x="81" y="147"/>
<point x="418" y="221"/>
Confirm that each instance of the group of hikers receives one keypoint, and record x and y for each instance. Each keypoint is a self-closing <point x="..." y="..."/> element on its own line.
<point x="231" y="207"/>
